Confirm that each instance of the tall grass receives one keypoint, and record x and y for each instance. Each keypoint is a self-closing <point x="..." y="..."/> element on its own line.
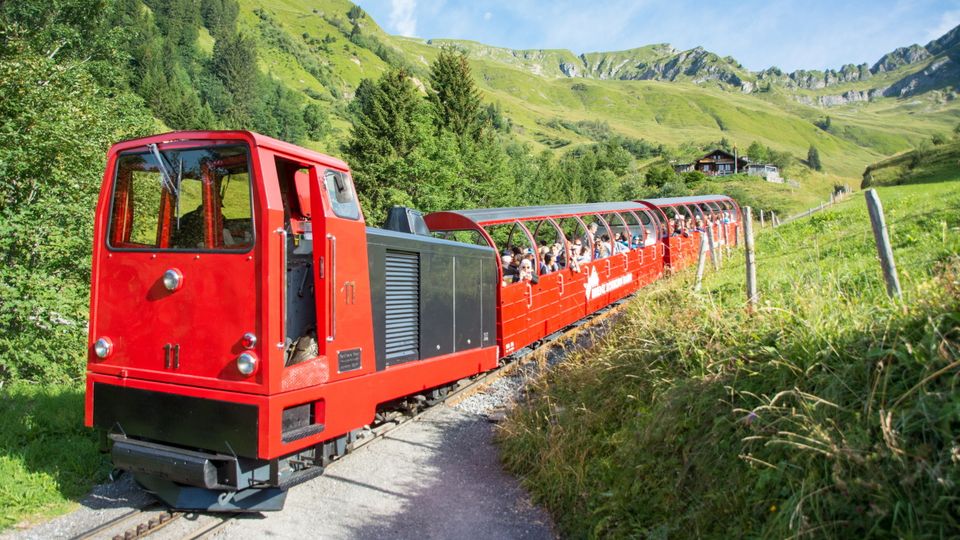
<point x="830" y="412"/>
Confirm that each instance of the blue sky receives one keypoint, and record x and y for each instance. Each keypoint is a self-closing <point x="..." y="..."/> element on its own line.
<point x="790" y="34"/>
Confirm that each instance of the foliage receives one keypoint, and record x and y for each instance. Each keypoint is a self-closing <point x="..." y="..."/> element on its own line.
<point x="757" y="152"/>
<point x="659" y="175"/>
<point x="828" y="413"/>
<point x="454" y="96"/>
<point x="813" y="158"/>
<point x="937" y="139"/>
<point x="57" y="122"/>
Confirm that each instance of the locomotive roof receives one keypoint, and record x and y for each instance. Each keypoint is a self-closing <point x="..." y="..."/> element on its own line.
<point x="488" y="215"/>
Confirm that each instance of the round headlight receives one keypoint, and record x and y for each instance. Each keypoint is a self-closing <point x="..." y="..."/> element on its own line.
<point x="246" y="363"/>
<point x="249" y="340"/>
<point x="172" y="279"/>
<point x="102" y="347"/>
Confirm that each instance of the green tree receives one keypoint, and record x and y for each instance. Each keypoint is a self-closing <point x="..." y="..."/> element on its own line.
<point x="937" y="139"/>
<point x="757" y="152"/>
<point x="956" y="130"/>
<point x="813" y="158"/>
<point x="659" y="175"/>
<point x="389" y="145"/>
<point x="454" y="96"/>
<point x="317" y="121"/>
<point x="235" y="64"/>
<point x="58" y="122"/>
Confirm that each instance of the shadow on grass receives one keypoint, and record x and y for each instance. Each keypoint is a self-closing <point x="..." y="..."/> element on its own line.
<point x="47" y="457"/>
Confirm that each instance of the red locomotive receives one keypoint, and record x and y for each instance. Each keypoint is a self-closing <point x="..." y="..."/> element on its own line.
<point x="245" y="322"/>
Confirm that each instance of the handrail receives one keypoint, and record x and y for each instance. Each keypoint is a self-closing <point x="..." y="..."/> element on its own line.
<point x="333" y="287"/>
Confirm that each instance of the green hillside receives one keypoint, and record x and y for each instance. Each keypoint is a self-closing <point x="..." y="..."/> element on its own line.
<point x="928" y="163"/>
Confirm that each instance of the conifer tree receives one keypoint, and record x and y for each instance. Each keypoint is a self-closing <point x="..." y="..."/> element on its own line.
<point x="235" y="65"/>
<point x="388" y="127"/>
<point x="454" y="96"/>
<point x="813" y="158"/>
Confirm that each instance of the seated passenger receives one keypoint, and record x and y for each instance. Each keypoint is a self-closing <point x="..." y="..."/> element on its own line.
<point x="511" y="271"/>
<point x="584" y="256"/>
<point x="604" y="248"/>
<point x="549" y="264"/>
<point x="622" y="245"/>
<point x="527" y="273"/>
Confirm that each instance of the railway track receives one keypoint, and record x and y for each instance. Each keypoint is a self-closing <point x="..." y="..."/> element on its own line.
<point x="150" y="520"/>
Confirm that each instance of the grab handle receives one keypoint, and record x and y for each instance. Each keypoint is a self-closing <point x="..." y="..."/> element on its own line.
<point x="529" y="295"/>
<point x="333" y="287"/>
<point x="563" y="283"/>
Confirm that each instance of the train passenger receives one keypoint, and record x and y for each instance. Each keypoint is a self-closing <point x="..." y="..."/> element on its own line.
<point x="622" y="245"/>
<point x="549" y="264"/>
<point x="590" y="235"/>
<point x="511" y="269"/>
<point x="584" y="256"/>
<point x="604" y="249"/>
<point x="527" y="273"/>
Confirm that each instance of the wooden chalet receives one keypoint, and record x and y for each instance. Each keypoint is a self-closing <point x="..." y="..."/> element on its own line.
<point x="720" y="163"/>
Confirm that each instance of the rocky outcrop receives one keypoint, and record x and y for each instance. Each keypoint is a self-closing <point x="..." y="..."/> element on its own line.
<point x="903" y="56"/>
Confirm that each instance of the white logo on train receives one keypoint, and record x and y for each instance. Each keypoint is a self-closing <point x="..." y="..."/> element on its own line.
<point x="593" y="289"/>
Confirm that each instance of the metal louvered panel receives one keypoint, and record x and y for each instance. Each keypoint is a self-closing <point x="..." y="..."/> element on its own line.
<point x="402" y="306"/>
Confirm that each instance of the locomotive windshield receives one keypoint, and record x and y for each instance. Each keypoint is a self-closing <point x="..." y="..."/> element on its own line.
<point x="183" y="199"/>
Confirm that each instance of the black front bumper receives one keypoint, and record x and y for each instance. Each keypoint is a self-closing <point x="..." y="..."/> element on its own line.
<point x="207" y="425"/>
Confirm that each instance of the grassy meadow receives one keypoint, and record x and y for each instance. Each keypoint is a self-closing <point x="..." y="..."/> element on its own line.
<point x="48" y="459"/>
<point x="830" y="412"/>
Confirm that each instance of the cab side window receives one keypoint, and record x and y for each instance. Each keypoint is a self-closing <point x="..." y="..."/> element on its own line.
<point x="342" y="197"/>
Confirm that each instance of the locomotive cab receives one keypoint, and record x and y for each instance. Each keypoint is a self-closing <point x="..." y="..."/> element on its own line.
<point x="219" y="289"/>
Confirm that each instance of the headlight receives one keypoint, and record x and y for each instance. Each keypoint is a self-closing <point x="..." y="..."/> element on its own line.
<point x="102" y="347"/>
<point x="172" y="279"/>
<point x="247" y="363"/>
<point x="249" y="340"/>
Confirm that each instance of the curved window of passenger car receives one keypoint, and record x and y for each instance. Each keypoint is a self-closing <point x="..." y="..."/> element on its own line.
<point x="185" y="199"/>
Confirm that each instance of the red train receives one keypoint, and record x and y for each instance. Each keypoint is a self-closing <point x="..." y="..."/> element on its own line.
<point x="245" y="323"/>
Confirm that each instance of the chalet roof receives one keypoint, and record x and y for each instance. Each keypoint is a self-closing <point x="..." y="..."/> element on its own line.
<point x="708" y="155"/>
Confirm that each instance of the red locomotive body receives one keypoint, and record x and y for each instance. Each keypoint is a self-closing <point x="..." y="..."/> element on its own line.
<point x="245" y="322"/>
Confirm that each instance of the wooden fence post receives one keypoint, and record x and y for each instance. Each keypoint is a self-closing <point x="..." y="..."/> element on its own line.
<point x="761" y="218"/>
<point x="701" y="260"/>
<point x="713" y="245"/>
<point x="882" y="238"/>
<point x="751" y="259"/>
<point x="726" y="238"/>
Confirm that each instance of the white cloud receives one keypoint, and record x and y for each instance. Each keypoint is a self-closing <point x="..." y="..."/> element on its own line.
<point x="947" y="22"/>
<point x="402" y="17"/>
<point x="487" y="16"/>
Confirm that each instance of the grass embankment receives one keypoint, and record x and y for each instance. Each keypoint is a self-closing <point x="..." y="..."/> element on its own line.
<point x="922" y="165"/>
<point x="48" y="460"/>
<point x="831" y="412"/>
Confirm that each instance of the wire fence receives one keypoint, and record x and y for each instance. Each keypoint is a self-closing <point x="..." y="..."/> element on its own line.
<point x="834" y="199"/>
